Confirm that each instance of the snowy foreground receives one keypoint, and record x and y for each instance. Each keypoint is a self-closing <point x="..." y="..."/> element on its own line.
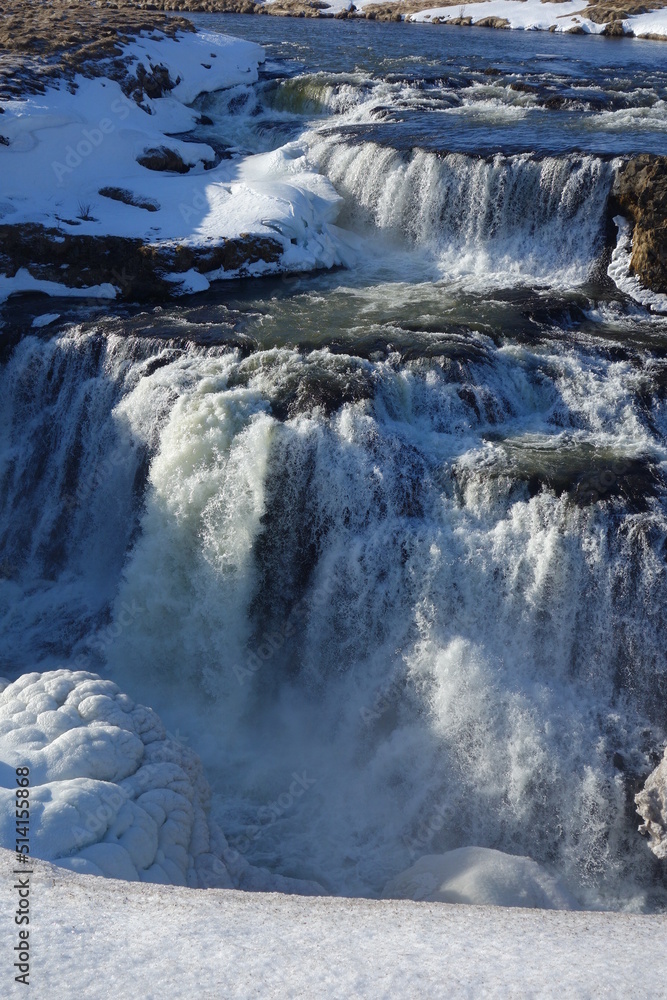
<point x="96" y="938"/>
<point x="111" y="792"/>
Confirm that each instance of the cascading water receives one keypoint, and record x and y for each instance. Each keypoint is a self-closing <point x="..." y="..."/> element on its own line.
<point x="401" y="539"/>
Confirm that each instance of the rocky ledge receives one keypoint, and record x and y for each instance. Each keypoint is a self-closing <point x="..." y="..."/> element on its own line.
<point x="640" y="194"/>
<point x="136" y="270"/>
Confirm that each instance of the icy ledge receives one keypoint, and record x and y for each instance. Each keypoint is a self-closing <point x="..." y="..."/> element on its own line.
<point x="111" y="792"/>
<point x="80" y="210"/>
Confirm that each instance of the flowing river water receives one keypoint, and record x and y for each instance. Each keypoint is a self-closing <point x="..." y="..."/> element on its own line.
<point x="399" y="529"/>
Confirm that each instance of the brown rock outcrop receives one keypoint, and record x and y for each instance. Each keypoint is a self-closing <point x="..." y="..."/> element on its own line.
<point x="135" y="268"/>
<point x="640" y="194"/>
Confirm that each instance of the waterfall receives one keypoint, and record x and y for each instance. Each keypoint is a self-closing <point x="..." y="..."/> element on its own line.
<point x="435" y="589"/>
<point x="507" y="219"/>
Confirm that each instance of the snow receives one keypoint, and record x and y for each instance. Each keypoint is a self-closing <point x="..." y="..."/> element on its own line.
<point x="23" y="281"/>
<point x="529" y="15"/>
<point x="479" y="876"/>
<point x="104" y="939"/>
<point x="45" y="320"/>
<point x="204" y="61"/>
<point x="619" y="270"/>
<point x="651" y="23"/>
<point x="64" y="148"/>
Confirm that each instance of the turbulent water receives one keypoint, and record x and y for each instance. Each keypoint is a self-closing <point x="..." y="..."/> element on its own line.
<point x="400" y="529"/>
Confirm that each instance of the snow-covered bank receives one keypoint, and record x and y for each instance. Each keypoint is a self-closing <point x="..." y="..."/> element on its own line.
<point x="575" y="16"/>
<point x="541" y="15"/>
<point x="96" y="938"/>
<point x="89" y="162"/>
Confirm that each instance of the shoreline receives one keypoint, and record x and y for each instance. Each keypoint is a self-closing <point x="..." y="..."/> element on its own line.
<point x="629" y="19"/>
<point x="184" y="213"/>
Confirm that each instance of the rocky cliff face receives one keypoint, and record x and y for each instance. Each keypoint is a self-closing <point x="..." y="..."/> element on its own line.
<point x="640" y="193"/>
<point x="651" y="805"/>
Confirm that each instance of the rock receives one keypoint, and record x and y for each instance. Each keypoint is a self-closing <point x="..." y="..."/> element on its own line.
<point x="614" y="30"/>
<point x="128" y="198"/>
<point x="651" y="805"/>
<point x="640" y="194"/>
<point x="163" y="158"/>
<point x="492" y="22"/>
<point x="135" y="268"/>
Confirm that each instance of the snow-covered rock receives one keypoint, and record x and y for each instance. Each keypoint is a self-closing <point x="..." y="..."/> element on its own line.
<point x="111" y="793"/>
<point x="80" y="162"/>
<point x="651" y="805"/>
<point x="479" y="876"/>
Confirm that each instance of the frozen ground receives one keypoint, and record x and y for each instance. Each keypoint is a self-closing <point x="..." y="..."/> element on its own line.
<point x="95" y="938"/>
<point x="70" y="163"/>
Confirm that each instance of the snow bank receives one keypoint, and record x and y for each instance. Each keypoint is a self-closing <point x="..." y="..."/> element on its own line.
<point x="653" y="23"/>
<point x="529" y="15"/>
<point x="479" y="876"/>
<point x="96" y="939"/>
<point x="111" y="792"/>
<point x="201" y="62"/>
<point x="72" y="165"/>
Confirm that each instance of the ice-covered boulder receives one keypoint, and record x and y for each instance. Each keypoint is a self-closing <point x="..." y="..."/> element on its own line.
<point x="651" y="805"/>
<point x="111" y="793"/>
<point x="481" y="876"/>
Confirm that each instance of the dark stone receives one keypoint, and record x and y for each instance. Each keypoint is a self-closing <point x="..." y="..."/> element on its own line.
<point x="163" y="158"/>
<point x="640" y="194"/>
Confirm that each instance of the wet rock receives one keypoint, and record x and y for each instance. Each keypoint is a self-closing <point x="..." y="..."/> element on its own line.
<point x="614" y="30"/>
<point x="128" y="198"/>
<point x="651" y="805"/>
<point x="136" y="269"/>
<point x="640" y="194"/>
<point x="163" y="158"/>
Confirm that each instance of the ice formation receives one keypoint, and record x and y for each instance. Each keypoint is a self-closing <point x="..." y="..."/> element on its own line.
<point x="112" y="793"/>
<point x="479" y="876"/>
